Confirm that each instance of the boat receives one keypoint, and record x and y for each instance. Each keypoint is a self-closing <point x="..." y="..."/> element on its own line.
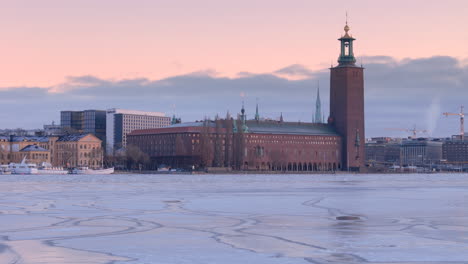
<point x="46" y="169"/>
<point x="86" y="170"/>
<point x="4" y="170"/>
<point x="23" y="167"/>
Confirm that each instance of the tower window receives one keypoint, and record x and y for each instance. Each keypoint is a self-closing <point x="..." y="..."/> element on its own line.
<point x="346" y="48"/>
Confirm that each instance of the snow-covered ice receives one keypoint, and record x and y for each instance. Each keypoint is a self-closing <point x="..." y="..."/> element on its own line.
<point x="227" y="219"/>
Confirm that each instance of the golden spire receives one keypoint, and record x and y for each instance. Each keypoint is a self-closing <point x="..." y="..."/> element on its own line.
<point x="346" y="28"/>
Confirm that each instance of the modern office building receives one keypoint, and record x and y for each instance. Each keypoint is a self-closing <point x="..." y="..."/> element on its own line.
<point x="383" y="151"/>
<point x="121" y="122"/>
<point x="71" y="120"/>
<point x="87" y="121"/>
<point x="418" y="152"/>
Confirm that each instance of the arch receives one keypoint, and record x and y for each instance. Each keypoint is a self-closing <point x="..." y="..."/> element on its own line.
<point x="334" y="166"/>
<point x="294" y="166"/>
<point x="329" y="166"/>
<point x="289" y="167"/>
<point x="315" y="168"/>
<point x="309" y="168"/>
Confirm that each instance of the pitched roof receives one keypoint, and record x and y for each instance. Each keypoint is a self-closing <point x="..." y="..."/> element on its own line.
<point x="293" y="128"/>
<point x="72" y="137"/>
<point x="254" y="126"/>
<point x="24" y="138"/>
<point x="33" y="148"/>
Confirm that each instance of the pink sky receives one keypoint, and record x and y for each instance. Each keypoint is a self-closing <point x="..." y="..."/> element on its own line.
<point x="43" y="42"/>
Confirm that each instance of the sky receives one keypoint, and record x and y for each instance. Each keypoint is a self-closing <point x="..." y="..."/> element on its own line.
<point x="195" y="58"/>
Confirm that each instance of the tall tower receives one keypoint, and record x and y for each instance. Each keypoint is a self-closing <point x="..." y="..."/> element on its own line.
<point x="318" y="108"/>
<point x="347" y="104"/>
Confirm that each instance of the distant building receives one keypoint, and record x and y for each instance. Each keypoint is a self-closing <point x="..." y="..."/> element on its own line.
<point x="420" y="152"/>
<point x="78" y="150"/>
<point x="35" y="154"/>
<point x="383" y="151"/>
<point x="14" y="148"/>
<point x="66" y="151"/>
<point x="87" y="121"/>
<point x="455" y="151"/>
<point x="53" y="130"/>
<point x="72" y="120"/>
<point x="120" y="122"/>
<point x="243" y="145"/>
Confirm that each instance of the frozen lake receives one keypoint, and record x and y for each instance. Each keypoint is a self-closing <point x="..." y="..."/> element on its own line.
<point x="231" y="219"/>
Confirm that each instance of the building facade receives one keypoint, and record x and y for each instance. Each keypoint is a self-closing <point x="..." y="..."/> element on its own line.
<point x="87" y="121"/>
<point x="78" y="151"/>
<point x="420" y="152"/>
<point x="71" y="120"/>
<point x="242" y="145"/>
<point x="120" y="122"/>
<point x="455" y="151"/>
<point x="65" y="151"/>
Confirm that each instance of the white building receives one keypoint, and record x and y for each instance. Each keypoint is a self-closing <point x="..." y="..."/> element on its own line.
<point x="120" y="122"/>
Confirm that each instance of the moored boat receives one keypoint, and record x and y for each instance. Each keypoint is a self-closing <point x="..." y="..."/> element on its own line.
<point x="47" y="169"/>
<point x="86" y="170"/>
<point x="4" y="169"/>
<point x="23" y="167"/>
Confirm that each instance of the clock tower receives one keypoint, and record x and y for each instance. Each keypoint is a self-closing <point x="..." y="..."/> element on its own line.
<point x="347" y="104"/>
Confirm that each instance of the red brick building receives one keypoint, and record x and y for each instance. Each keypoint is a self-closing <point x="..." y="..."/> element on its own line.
<point x="272" y="145"/>
<point x="257" y="145"/>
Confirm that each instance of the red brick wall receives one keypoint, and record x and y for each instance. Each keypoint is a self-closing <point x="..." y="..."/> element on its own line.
<point x="347" y="111"/>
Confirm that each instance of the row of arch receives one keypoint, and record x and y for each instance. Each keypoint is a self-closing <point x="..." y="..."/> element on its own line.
<point x="294" y="166"/>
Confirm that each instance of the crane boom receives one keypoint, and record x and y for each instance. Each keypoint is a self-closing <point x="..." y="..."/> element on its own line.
<point x="414" y="131"/>
<point x="462" y="121"/>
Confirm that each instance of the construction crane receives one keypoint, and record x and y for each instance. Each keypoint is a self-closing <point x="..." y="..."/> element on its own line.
<point x="414" y="131"/>
<point x="462" y="121"/>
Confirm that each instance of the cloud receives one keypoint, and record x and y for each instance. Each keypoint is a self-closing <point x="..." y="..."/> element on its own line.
<point x="295" y="70"/>
<point x="399" y="94"/>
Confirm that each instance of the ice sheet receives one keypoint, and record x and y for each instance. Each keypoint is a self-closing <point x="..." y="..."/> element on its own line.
<point x="234" y="219"/>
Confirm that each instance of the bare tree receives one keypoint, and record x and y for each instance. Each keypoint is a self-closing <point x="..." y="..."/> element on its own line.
<point x="96" y="157"/>
<point x="68" y="155"/>
<point x="135" y="157"/>
<point x="4" y="154"/>
<point x="228" y="141"/>
<point x="238" y="145"/>
<point x="218" y="144"/>
<point x="206" y="145"/>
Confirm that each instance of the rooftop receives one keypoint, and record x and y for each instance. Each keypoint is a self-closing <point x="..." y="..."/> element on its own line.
<point x="24" y="138"/>
<point x="259" y="127"/>
<point x="34" y="148"/>
<point x="134" y="112"/>
<point x="72" y="137"/>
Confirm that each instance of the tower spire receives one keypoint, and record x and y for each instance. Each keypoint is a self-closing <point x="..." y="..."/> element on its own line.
<point x="347" y="54"/>
<point x="257" y="115"/>
<point x="318" y="106"/>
